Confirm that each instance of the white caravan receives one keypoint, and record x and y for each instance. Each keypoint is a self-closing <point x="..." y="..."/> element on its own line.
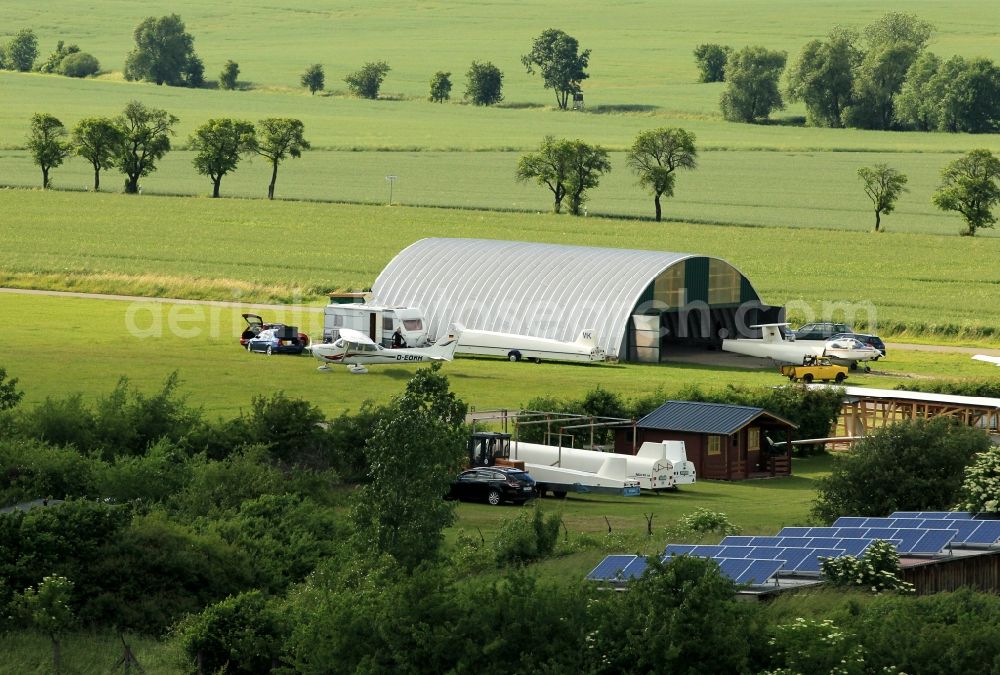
<point x="516" y="347"/>
<point x="657" y="466"/>
<point x="377" y="322"/>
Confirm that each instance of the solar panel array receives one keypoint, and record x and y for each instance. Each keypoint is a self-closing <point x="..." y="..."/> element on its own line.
<point x="799" y="550"/>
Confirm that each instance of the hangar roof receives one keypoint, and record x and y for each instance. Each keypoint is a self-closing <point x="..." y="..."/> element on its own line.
<point x="543" y="290"/>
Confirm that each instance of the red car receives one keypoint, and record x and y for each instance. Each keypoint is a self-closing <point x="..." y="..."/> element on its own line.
<point x="255" y="325"/>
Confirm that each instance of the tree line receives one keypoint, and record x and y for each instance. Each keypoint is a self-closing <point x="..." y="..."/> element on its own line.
<point x="882" y="77"/>
<point x="134" y="141"/>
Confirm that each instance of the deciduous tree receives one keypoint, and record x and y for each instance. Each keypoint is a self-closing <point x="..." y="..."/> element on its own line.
<point x="278" y="138"/>
<point x="752" y="76"/>
<point x="656" y="154"/>
<point x="229" y="75"/>
<point x="711" y="60"/>
<point x="367" y="81"/>
<point x="22" y="50"/>
<point x="562" y="66"/>
<point x="823" y="78"/>
<point x="484" y="84"/>
<point x="893" y="43"/>
<point x="440" y="87"/>
<point x="145" y="139"/>
<point x="219" y="145"/>
<point x="587" y="164"/>
<point x="164" y="53"/>
<point x="97" y="139"/>
<point x="402" y="513"/>
<point x="52" y="61"/>
<point x="969" y="186"/>
<point x="919" y="103"/>
<point x="314" y="78"/>
<point x="550" y="166"/>
<point x="47" y="609"/>
<point x="883" y="185"/>
<point x="909" y="466"/>
<point x="47" y="144"/>
<point x="10" y="395"/>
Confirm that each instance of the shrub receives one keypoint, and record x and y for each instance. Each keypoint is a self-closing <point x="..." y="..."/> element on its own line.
<point x="526" y="538"/>
<point x="33" y="470"/>
<point x="79" y="64"/>
<point x="241" y="634"/>
<point x="910" y="466"/>
<point x="484" y="84"/>
<point x="702" y="521"/>
<point x="981" y="485"/>
<point x="228" y="76"/>
<point x="10" y="395"/>
<point x="815" y="646"/>
<point x="878" y="570"/>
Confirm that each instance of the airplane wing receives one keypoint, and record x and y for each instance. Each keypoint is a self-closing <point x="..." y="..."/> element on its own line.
<point x="355" y="336"/>
<point x="995" y="360"/>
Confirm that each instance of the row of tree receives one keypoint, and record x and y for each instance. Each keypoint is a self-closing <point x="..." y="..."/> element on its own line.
<point x="134" y="141"/>
<point x="880" y="78"/>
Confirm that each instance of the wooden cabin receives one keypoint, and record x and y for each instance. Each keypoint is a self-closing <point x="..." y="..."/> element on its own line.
<point x="725" y="442"/>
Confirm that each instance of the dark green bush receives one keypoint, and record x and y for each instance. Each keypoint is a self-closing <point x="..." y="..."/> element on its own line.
<point x="32" y="470"/>
<point x="910" y="466"/>
<point x="79" y="64"/>
<point x="525" y="538"/>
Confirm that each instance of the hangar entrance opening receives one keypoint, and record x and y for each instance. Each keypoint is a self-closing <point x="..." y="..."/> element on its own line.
<point x="695" y="303"/>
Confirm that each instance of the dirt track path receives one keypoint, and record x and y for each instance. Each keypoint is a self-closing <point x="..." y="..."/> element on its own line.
<point x="306" y="308"/>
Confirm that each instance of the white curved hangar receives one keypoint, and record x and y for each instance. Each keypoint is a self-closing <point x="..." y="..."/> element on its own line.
<point x="639" y="302"/>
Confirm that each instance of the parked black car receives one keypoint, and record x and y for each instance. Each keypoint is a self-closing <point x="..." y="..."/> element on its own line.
<point x="873" y="340"/>
<point x="820" y="331"/>
<point x="493" y="484"/>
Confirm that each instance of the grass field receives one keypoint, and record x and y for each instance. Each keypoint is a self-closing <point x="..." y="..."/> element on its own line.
<point x="83" y="345"/>
<point x="254" y="250"/>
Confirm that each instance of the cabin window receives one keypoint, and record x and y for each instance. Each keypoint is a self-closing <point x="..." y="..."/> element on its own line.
<point x="715" y="445"/>
<point x="336" y="321"/>
<point x="386" y="323"/>
<point x="753" y="438"/>
<point x="413" y="324"/>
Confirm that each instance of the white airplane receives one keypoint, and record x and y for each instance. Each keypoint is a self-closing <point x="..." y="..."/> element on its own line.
<point x="775" y="347"/>
<point x="357" y="350"/>
<point x="995" y="360"/>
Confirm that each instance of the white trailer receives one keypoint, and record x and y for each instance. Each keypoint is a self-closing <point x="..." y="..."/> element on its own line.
<point x="377" y="322"/>
<point x="515" y="347"/>
<point x="656" y="466"/>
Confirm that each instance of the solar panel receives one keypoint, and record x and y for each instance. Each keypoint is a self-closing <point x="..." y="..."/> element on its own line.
<point x="679" y="549"/>
<point x="821" y="532"/>
<point x="881" y="532"/>
<point x="879" y="522"/>
<point x="906" y="514"/>
<point x="908" y="538"/>
<point x="759" y="572"/>
<point x="733" y="540"/>
<point x="794" y="532"/>
<point x="934" y="541"/>
<point x="855" y="547"/>
<point x="988" y="533"/>
<point x="765" y="541"/>
<point x="950" y="515"/>
<point x="611" y="567"/>
<point x="852" y="532"/>
<point x="791" y="556"/>
<point x="850" y="521"/>
<point x="736" y="552"/>
<point x="770" y="552"/>
<point x="794" y="542"/>
<point x="958" y="515"/>
<point x="707" y="551"/>
<point x="810" y="564"/>
<point x="635" y="568"/>
<point x="733" y="567"/>
<point x="825" y="542"/>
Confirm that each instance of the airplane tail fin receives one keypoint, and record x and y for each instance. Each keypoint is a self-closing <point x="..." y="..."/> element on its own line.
<point x="445" y="347"/>
<point x="587" y="338"/>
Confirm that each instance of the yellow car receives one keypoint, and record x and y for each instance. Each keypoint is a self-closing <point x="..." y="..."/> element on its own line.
<point x="815" y="369"/>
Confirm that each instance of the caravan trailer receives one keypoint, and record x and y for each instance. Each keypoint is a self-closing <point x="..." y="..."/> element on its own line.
<point x="377" y="322"/>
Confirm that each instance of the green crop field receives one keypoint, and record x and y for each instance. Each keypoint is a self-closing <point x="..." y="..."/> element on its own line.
<point x="253" y="250"/>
